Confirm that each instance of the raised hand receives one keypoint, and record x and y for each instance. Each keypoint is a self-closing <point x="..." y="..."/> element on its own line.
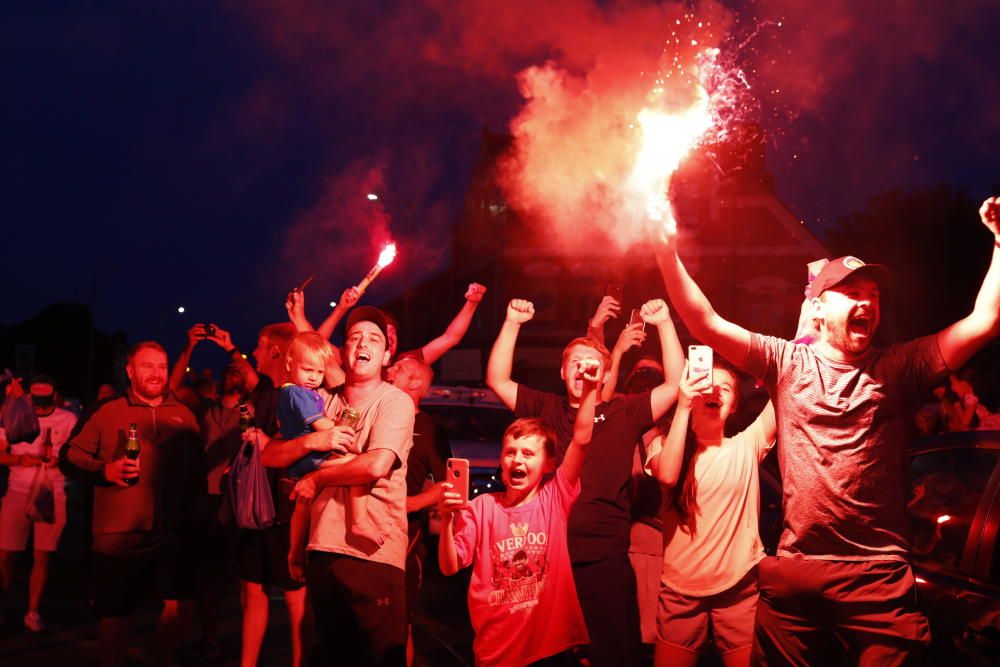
<point x="989" y="213"/>
<point x="520" y="311"/>
<point x="475" y="293"/>
<point x="349" y="297"/>
<point x="196" y="334"/>
<point x="692" y="388"/>
<point x="631" y="336"/>
<point x="655" y="312"/>
<point x="221" y="337"/>
<point x="451" y="501"/>
<point x="608" y="308"/>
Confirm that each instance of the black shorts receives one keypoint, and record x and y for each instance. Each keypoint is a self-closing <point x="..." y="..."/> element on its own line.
<point x="262" y="557"/>
<point x="120" y="583"/>
<point x="361" y="600"/>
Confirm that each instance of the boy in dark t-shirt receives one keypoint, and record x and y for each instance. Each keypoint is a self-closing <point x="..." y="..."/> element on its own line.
<point x="599" y="522"/>
<point x="841" y="574"/>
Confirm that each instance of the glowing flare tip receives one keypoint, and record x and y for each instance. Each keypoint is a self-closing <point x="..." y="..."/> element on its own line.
<point x="387" y="255"/>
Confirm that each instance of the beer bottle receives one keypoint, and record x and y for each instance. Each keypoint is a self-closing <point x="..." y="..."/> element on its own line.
<point x="246" y="419"/>
<point x="132" y="450"/>
<point x="246" y="423"/>
<point x="47" y="446"/>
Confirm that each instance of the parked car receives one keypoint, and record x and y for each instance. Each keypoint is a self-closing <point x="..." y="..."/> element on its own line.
<point x="475" y="420"/>
<point x="954" y="515"/>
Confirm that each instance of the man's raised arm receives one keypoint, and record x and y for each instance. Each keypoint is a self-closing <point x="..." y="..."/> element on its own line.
<point x="730" y="340"/>
<point x="451" y="337"/>
<point x="501" y="362"/>
<point x="967" y="336"/>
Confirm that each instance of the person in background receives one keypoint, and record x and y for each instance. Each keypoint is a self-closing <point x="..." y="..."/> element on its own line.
<point x="144" y="508"/>
<point x="25" y="460"/>
<point x="425" y="475"/>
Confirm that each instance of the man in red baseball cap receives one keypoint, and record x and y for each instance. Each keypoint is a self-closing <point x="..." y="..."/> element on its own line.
<point x="841" y="575"/>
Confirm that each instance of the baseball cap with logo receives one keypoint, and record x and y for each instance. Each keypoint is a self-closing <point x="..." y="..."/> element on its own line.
<point x="839" y="269"/>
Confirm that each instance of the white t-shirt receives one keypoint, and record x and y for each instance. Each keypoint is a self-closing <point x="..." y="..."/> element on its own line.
<point x="726" y="542"/>
<point x="61" y="422"/>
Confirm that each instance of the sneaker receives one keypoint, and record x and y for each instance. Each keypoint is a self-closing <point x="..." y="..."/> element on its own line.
<point x="33" y="622"/>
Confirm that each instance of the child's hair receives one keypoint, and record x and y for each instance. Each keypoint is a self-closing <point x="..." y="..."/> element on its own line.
<point x="684" y="494"/>
<point x="524" y="427"/>
<point x="592" y="343"/>
<point x="309" y="343"/>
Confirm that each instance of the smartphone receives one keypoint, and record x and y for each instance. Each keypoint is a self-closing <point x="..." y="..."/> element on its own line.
<point x="616" y="291"/>
<point x="305" y="284"/>
<point x="458" y="477"/>
<point x="209" y="331"/>
<point x="636" y="318"/>
<point x="700" y="361"/>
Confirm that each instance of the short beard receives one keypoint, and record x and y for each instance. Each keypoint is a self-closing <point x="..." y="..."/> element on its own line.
<point x="839" y="339"/>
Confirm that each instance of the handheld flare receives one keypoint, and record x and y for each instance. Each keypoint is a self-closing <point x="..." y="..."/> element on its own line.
<point x="384" y="259"/>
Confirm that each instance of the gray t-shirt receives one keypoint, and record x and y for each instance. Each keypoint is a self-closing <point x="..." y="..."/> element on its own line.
<point x="842" y="444"/>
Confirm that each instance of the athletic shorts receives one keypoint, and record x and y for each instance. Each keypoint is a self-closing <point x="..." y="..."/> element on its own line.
<point x="361" y="600"/>
<point x="122" y="582"/>
<point x="262" y="557"/>
<point x="689" y="622"/>
<point x="15" y="527"/>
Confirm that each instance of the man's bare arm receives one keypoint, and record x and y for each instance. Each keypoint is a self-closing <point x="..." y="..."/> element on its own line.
<point x="451" y="337"/>
<point x="362" y="469"/>
<point x="348" y="298"/>
<point x="278" y="453"/>
<point x="730" y="340"/>
<point x="970" y="334"/>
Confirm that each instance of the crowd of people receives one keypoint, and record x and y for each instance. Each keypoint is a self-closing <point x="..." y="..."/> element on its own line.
<point x="625" y="516"/>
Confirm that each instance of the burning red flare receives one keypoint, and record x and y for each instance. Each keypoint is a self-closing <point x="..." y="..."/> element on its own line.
<point x="384" y="259"/>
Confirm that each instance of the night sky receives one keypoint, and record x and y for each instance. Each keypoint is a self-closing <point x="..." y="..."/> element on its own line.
<point x="212" y="155"/>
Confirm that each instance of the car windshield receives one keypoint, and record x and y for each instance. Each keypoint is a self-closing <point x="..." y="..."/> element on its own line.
<point x="474" y="423"/>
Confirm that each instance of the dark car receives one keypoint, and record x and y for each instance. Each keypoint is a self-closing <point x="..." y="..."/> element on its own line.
<point x="475" y="420"/>
<point x="954" y="515"/>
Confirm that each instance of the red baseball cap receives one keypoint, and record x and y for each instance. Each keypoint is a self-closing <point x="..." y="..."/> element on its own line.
<point x="839" y="269"/>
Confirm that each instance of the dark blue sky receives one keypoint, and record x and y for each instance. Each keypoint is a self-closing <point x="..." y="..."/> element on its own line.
<point x="213" y="154"/>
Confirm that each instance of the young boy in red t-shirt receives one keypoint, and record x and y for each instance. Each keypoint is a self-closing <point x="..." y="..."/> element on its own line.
<point x="522" y="600"/>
